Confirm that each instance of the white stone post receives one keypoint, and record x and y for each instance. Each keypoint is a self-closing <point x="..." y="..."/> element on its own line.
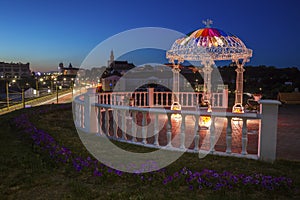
<point x="150" y="97"/>
<point x="268" y="130"/>
<point x="90" y="114"/>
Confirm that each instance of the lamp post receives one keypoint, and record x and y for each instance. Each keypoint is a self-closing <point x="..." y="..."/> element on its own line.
<point x="23" y="98"/>
<point x="7" y="95"/>
<point x="72" y="86"/>
<point x="37" y="86"/>
<point x="56" y="94"/>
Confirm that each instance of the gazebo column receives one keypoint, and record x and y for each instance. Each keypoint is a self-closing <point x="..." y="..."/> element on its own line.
<point x="207" y="80"/>
<point x="175" y="90"/>
<point x="175" y="95"/>
<point x="238" y="103"/>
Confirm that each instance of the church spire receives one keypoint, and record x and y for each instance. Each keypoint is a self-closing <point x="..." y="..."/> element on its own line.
<point x="112" y="58"/>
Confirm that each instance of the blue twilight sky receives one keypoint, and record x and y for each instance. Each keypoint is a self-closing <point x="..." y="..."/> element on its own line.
<point x="46" y="32"/>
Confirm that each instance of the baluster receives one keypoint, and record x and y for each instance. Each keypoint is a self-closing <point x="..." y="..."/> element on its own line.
<point x="157" y="98"/>
<point x="228" y="135"/>
<point x="144" y="130"/>
<point x="179" y="98"/>
<point x="82" y="116"/>
<point x="156" y="130"/>
<point x="187" y="99"/>
<point x="182" y="132"/>
<point x="107" y="121"/>
<point x="244" y="137"/>
<point x="169" y="131"/>
<point x="192" y="100"/>
<point x="212" y="134"/>
<point x="79" y="115"/>
<point x="167" y="99"/>
<point x="99" y="121"/>
<point x="116" y="123"/>
<point x="133" y="128"/>
<point x="196" y="133"/>
<point x="77" y="111"/>
<point x="140" y="99"/>
<point x="123" y="116"/>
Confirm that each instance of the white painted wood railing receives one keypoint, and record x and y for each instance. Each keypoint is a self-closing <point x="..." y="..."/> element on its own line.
<point x="92" y="117"/>
<point x="160" y="99"/>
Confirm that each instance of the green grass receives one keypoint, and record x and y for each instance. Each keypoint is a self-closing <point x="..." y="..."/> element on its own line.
<point x="28" y="173"/>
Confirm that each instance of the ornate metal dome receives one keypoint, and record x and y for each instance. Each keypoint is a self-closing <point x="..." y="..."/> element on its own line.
<point x="208" y="43"/>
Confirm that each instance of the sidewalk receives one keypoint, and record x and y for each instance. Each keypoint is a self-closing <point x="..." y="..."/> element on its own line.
<point x="288" y="137"/>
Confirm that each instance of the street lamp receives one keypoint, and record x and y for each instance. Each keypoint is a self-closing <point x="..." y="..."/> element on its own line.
<point x="72" y="86"/>
<point x="56" y="94"/>
<point x="7" y="92"/>
<point x="7" y="95"/>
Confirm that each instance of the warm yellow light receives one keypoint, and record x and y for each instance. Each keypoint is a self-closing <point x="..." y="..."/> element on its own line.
<point x="205" y="121"/>
<point x="176" y="117"/>
<point x="237" y="110"/>
<point x="176" y="106"/>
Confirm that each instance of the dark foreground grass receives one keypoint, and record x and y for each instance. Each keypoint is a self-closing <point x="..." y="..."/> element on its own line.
<point x="26" y="172"/>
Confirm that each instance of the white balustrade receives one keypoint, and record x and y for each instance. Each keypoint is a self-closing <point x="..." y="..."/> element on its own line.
<point x="154" y="99"/>
<point x="91" y="116"/>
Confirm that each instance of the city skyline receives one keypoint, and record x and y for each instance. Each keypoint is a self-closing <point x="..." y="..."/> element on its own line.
<point x="45" y="33"/>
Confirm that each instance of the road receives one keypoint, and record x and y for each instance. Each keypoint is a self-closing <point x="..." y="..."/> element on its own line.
<point x="63" y="97"/>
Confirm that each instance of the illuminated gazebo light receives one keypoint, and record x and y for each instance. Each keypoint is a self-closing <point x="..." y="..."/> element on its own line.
<point x="208" y="45"/>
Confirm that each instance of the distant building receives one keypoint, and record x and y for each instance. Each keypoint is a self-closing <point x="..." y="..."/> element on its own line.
<point x="67" y="75"/>
<point x="67" y="70"/>
<point x="109" y="83"/>
<point x="14" y="70"/>
<point x="119" y="66"/>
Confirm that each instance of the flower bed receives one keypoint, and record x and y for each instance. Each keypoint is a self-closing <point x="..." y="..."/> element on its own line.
<point x="194" y="180"/>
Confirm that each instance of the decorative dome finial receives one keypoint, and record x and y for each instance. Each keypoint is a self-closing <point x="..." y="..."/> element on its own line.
<point x="207" y="23"/>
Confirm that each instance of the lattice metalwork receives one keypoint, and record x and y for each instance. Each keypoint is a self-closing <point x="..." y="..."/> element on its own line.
<point x="208" y="45"/>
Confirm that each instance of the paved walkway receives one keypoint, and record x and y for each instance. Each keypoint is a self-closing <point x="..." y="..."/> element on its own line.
<point x="288" y="137"/>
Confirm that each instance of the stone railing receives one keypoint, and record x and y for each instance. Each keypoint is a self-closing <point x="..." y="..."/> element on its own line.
<point x="130" y="124"/>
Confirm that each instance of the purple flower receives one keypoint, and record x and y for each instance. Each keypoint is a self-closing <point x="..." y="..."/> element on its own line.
<point x="176" y="174"/>
<point x="97" y="173"/>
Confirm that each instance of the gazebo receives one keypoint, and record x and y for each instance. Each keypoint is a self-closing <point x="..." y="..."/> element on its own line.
<point x="208" y="45"/>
